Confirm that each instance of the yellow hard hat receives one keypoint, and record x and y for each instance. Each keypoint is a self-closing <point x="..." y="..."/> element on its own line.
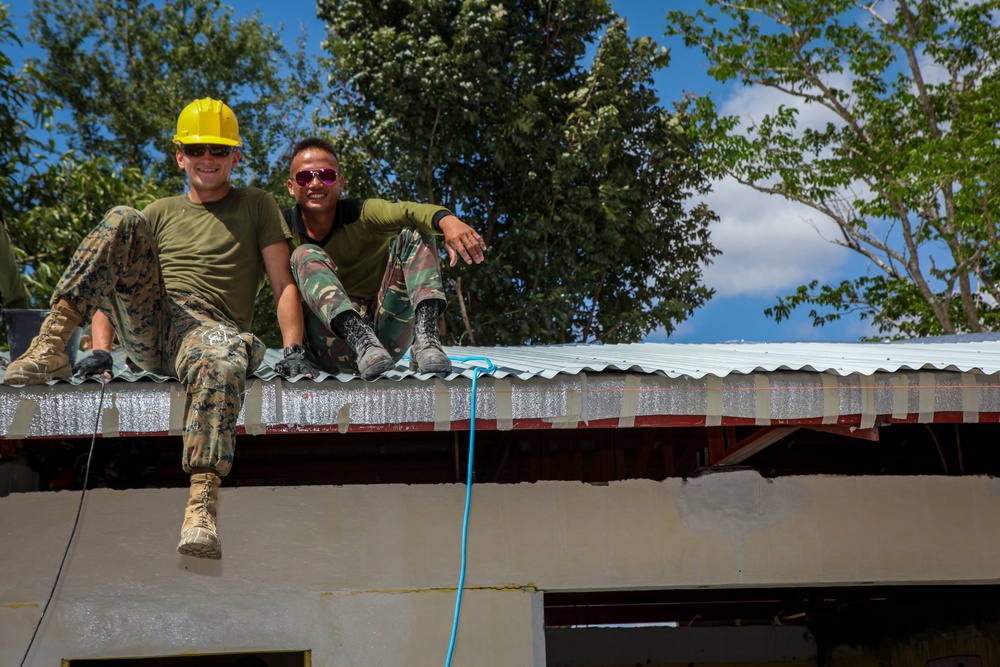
<point x="208" y="121"/>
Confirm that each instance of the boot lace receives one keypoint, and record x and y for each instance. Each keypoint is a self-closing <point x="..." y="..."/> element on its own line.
<point x="204" y="517"/>
<point x="43" y="341"/>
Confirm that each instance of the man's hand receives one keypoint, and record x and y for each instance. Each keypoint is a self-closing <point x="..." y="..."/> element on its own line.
<point x="98" y="362"/>
<point x="461" y="240"/>
<point x="295" y="363"/>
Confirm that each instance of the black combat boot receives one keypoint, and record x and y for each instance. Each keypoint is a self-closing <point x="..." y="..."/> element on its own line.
<point x="373" y="358"/>
<point x="426" y="355"/>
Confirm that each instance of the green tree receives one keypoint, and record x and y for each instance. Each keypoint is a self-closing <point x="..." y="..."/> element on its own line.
<point x="125" y="69"/>
<point x="63" y="200"/>
<point x="48" y="203"/>
<point x="558" y="151"/>
<point x="905" y="165"/>
<point x="21" y="109"/>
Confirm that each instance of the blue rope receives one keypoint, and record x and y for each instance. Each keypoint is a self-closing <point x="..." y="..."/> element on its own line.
<point x="468" y="495"/>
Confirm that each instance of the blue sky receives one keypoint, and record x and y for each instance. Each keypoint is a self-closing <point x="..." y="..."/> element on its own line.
<point x="769" y="245"/>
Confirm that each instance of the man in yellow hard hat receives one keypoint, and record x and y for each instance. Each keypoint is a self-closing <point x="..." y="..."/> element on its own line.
<point x="178" y="283"/>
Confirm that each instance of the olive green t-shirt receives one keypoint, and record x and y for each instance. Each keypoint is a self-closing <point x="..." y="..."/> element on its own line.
<point x="213" y="250"/>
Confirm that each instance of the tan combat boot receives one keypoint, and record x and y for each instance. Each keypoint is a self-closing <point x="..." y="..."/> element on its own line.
<point x="46" y="358"/>
<point x="198" y="534"/>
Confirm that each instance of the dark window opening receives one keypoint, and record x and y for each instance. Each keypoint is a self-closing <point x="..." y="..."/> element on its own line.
<point x="255" y="659"/>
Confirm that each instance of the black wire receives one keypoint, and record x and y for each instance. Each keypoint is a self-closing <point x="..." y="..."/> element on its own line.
<point x="76" y="522"/>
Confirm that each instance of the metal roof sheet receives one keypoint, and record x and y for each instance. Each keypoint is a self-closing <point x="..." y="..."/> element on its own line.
<point x="724" y="359"/>
<point x="563" y="386"/>
<point x="677" y="360"/>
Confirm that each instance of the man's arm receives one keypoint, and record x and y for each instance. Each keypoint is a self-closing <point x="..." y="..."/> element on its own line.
<point x="102" y="335"/>
<point x="286" y="294"/>
<point x="460" y="239"/>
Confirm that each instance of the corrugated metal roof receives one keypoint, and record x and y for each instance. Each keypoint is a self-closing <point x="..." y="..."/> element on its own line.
<point x="693" y="360"/>
<point x="724" y="359"/>
<point x="566" y="386"/>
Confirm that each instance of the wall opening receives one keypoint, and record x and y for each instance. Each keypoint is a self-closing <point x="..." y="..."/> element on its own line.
<point x="837" y="626"/>
<point x="242" y="659"/>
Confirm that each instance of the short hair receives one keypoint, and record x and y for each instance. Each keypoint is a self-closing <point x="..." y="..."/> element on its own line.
<point x="314" y="142"/>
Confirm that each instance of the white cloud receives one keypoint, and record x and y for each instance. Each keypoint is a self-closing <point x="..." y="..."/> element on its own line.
<point x="769" y="245"/>
<point x="752" y="103"/>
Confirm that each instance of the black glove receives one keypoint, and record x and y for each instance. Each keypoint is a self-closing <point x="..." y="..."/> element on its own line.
<point x="295" y="363"/>
<point x="97" y="363"/>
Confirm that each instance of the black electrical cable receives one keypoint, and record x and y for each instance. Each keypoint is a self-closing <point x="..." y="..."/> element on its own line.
<point x="76" y="522"/>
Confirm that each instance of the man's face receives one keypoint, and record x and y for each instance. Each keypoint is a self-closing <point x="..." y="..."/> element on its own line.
<point x="208" y="173"/>
<point x="317" y="197"/>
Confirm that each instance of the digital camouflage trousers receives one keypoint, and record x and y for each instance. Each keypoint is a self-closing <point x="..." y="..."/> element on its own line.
<point x="412" y="274"/>
<point x="116" y="270"/>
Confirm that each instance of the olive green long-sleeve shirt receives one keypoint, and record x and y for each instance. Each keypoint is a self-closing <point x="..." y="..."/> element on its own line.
<point x="358" y="243"/>
<point x="13" y="293"/>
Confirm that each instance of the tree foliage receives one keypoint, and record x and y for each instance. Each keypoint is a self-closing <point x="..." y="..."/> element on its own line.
<point x="905" y="165"/>
<point x="126" y="68"/>
<point x="578" y="178"/>
<point x="121" y="71"/>
<point x="20" y="108"/>
<point x="61" y="202"/>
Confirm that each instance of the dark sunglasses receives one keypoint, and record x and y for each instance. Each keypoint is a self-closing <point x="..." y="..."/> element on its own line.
<point x="306" y="176"/>
<point x="197" y="150"/>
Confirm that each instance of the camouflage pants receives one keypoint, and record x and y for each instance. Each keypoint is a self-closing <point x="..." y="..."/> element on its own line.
<point x="116" y="270"/>
<point x="412" y="274"/>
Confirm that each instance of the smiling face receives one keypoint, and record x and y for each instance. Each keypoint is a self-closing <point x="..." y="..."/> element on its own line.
<point x="317" y="199"/>
<point x="208" y="175"/>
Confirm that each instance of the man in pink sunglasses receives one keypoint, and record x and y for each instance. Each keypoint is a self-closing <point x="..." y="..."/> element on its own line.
<point x="369" y="270"/>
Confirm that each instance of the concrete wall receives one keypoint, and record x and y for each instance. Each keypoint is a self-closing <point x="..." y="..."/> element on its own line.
<point x="365" y="575"/>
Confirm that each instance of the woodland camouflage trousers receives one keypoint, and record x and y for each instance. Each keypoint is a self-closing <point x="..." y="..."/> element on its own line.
<point x="116" y="270"/>
<point x="412" y="274"/>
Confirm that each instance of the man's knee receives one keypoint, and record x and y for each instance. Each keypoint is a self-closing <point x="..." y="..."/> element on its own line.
<point x="219" y="360"/>
<point x="126" y="223"/>
<point x="412" y="242"/>
<point x="308" y="252"/>
<point x="309" y="259"/>
<point x="124" y="216"/>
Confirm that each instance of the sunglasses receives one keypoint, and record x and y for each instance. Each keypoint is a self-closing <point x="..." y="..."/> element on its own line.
<point x="306" y="176"/>
<point x="197" y="150"/>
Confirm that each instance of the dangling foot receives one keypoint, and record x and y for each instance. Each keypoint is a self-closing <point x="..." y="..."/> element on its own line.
<point x="199" y="537"/>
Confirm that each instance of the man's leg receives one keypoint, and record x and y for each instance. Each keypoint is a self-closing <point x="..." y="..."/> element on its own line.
<point x="337" y="334"/>
<point x="211" y="359"/>
<point x="118" y="256"/>
<point x="410" y="301"/>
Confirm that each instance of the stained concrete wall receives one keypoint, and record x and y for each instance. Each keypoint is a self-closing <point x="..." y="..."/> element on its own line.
<point x="365" y="575"/>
